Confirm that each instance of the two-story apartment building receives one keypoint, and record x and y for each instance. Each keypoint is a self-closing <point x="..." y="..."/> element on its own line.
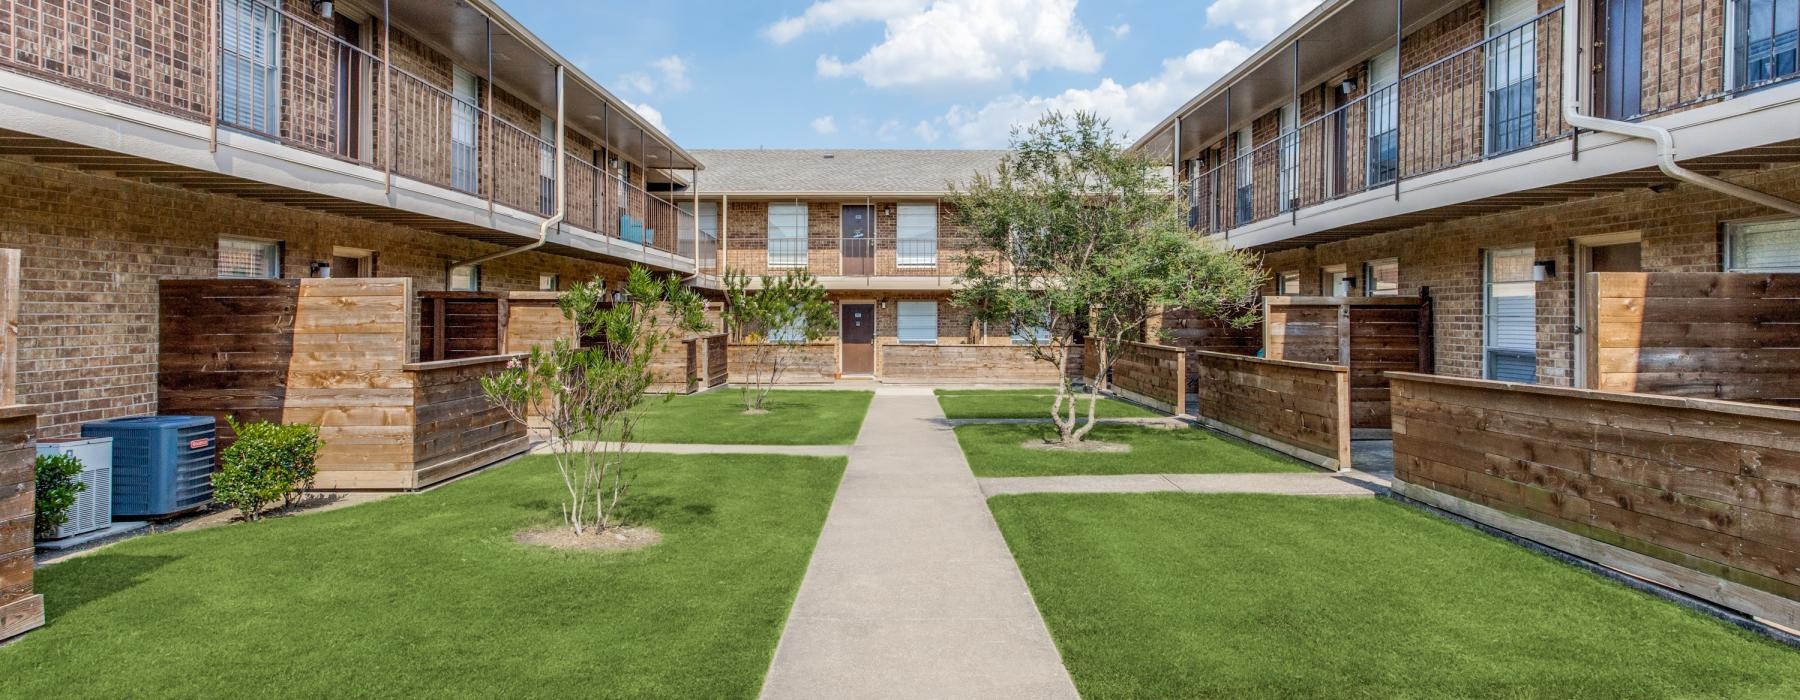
<point x="874" y="227"/>
<point x="148" y="140"/>
<point x="1494" y="151"/>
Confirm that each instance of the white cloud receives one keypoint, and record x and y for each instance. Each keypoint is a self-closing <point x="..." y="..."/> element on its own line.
<point x="889" y="130"/>
<point x="1132" y="109"/>
<point x="671" y="75"/>
<point x="825" y="125"/>
<point x="828" y="14"/>
<point x="926" y="132"/>
<point x="961" y="42"/>
<point x="1258" y="19"/>
<point x="1120" y="30"/>
<point x="650" y="114"/>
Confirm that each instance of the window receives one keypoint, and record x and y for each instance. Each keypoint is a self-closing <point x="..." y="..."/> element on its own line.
<point x="1384" y="117"/>
<point x="1763" y="37"/>
<point x="1381" y="278"/>
<point x="707" y="224"/>
<point x="918" y="235"/>
<point x="1290" y="154"/>
<point x="787" y="235"/>
<point x="1335" y="281"/>
<point x="249" y="259"/>
<point x="548" y="282"/>
<point x="1763" y="246"/>
<point x="250" y="66"/>
<point x="546" y="164"/>
<point x="465" y="278"/>
<point x="1511" y="75"/>
<point x="465" y="149"/>
<point x="1026" y="335"/>
<point x="1288" y="283"/>
<point x="1246" y="191"/>
<point x="918" y="322"/>
<point x="1509" y="305"/>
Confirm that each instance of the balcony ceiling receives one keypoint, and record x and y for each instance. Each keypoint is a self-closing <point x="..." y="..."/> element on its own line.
<point x="525" y="66"/>
<point x="1332" y="38"/>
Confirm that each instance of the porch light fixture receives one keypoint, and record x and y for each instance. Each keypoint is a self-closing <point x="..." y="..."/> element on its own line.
<point x="1543" y="270"/>
<point x="323" y="7"/>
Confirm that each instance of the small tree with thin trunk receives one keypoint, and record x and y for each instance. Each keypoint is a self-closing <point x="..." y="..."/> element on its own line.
<point x="775" y="318"/>
<point x="590" y="397"/>
<point x="1084" y="236"/>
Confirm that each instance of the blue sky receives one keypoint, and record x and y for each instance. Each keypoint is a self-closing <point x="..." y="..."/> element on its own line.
<point x="899" y="73"/>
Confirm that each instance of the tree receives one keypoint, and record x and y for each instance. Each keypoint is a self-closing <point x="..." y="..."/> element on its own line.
<point x="1082" y="235"/>
<point x="782" y="314"/>
<point x="590" y="397"/>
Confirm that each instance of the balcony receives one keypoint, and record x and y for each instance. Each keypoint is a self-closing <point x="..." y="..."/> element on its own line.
<point x="1479" y="128"/>
<point x="859" y="262"/>
<point x="368" y="119"/>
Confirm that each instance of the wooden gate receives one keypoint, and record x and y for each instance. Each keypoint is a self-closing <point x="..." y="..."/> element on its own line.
<point x="1368" y="335"/>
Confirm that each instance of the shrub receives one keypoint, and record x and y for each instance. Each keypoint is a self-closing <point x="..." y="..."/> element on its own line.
<point x="268" y="462"/>
<point x="56" y="490"/>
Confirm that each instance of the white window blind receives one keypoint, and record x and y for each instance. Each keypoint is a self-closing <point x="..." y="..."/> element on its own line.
<point x="1383" y="117"/>
<point x="465" y="151"/>
<point x="917" y="233"/>
<point x="1288" y="283"/>
<point x="1764" y="246"/>
<point x="787" y="235"/>
<point x="1381" y="278"/>
<point x="918" y="321"/>
<point x="250" y="66"/>
<point x="1290" y="153"/>
<point x="1510" y="306"/>
<point x="465" y="278"/>
<point x="548" y="282"/>
<point x="243" y="258"/>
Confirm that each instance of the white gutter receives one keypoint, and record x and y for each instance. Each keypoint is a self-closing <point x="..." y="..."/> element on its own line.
<point x="562" y="205"/>
<point x="1666" y="153"/>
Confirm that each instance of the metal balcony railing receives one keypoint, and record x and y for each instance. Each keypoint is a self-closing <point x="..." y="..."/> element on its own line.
<point x="863" y="257"/>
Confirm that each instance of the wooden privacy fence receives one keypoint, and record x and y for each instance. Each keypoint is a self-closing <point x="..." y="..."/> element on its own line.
<point x="535" y="319"/>
<point x="458" y="325"/>
<point x="812" y="363"/>
<point x="335" y="353"/>
<point x="718" y="360"/>
<point x="986" y="363"/>
<point x="1699" y="495"/>
<point x="1298" y="408"/>
<point x="1153" y="375"/>
<point x="1369" y="335"/>
<point x="1733" y="336"/>
<point x="21" y="607"/>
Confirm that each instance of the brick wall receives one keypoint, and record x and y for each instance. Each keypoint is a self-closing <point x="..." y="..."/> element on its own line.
<point x="746" y="237"/>
<point x="93" y="248"/>
<point x="1680" y="231"/>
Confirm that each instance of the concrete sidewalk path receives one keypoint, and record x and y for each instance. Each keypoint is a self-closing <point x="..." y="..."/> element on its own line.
<point x="1350" y="483"/>
<point x="912" y="592"/>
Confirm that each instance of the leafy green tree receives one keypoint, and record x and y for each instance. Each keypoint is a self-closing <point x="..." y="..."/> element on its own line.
<point x="590" y="397"/>
<point x="776" y="316"/>
<point x="1087" y="239"/>
<point x="57" y="488"/>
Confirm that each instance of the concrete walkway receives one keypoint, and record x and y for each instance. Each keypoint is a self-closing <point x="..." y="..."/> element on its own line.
<point x="911" y="591"/>
<point x="1349" y="483"/>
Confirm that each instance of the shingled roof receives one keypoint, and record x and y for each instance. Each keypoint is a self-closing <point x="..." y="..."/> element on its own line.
<point x="840" y="171"/>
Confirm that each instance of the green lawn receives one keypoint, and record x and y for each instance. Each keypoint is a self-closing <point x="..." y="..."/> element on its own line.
<point x="1026" y="403"/>
<point x="428" y="596"/>
<point x="994" y="450"/>
<point x="717" y="417"/>
<point x="1182" y="595"/>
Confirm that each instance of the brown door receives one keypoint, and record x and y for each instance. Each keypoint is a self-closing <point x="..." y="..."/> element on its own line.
<point x="859" y="338"/>
<point x="858" y="241"/>
<point x="347" y="110"/>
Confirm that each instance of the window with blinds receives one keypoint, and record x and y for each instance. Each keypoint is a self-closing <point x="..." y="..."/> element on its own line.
<point x="917" y="322"/>
<point x="1511" y="74"/>
<point x="1288" y="283"/>
<point x="250" y="66"/>
<point x="1763" y="246"/>
<point x="465" y="117"/>
<point x="917" y="233"/>
<point x="1383" y="117"/>
<point x="1381" y="278"/>
<point x="1509" y="307"/>
<point x="465" y="278"/>
<point x="244" y="258"/>
<point x="787" y="235"/>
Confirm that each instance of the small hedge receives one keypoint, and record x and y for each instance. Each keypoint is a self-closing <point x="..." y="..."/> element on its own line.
<point x="268" y="462"/>
<point x="57" y="488"/>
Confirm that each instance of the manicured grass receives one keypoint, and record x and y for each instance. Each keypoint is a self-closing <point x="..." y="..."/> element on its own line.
<point x="994" y="450"/>
<point x="1026" y="403"/>
<point x="1182" y="595"/>
<point x="428" y="596"/>
<point x="717" y="417"/>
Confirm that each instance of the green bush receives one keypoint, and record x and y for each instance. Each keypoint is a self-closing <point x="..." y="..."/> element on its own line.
<point x="268" y="462"/>
<point x="56" y="490"/>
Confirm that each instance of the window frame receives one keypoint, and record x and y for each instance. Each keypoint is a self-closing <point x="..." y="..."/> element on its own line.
<point x="474" y="279"/>
<point x="465" y="118"/>
<point x="1735" y="78"/>
<point x="264" y="108"/>
<point x="1283" y="288"/>
<point x="1733" y="230"/>
<point x="1368" y="278"/>
<point x="900" y="316"/>
<point x="788" y="260"/>
<point x="277" y="251"/>
<point x="918" y="260"/>
<point x="1488" y="316"/>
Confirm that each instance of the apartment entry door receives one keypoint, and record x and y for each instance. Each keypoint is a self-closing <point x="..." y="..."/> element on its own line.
<point x="858" y="338"/>
<point x="347" y="107"/>
<point x="858" y="240"/>
<point x="1622" y="252"/>
<point x="1619" y="58"/>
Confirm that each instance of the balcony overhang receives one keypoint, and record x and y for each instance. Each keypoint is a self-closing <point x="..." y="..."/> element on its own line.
<point x="55" y="124"/>
<point x="1747" y="132"/>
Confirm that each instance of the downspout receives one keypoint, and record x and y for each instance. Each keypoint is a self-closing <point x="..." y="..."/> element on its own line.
<point x="562" y="205"/>
<point x="1666" y="153"/>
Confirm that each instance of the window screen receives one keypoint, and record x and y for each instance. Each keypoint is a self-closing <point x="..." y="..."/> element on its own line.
<point x="787" y="235"/>
<point x="242" y="258"/>
<point x="466" y="278"/>
<point x="1764" y="246"/>
<point x="1510" y="307"/>
<point x="918" y="235"/>
<point x="918" y="322"/>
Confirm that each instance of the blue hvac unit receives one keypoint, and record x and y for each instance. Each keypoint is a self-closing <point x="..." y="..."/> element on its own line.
<point x="162" y="465"/>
